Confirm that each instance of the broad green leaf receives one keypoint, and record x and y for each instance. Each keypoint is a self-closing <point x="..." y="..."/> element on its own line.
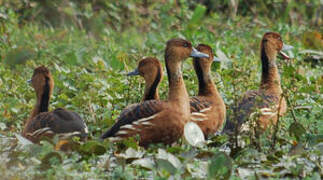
<point x="220" y="166"/>
<point x="193" y="134"/>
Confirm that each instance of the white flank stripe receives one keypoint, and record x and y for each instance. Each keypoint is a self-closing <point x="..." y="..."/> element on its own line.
<point x="147" y="118"/>
<point x="142" y="121"/>
<point x="267" y="112"/>
<point x="146" y="123"/>
<point x="128" y="126"/>
<point x="121" y="132"/>
<point x="206" y="109"/>
<point x="112" y="139"/>
<point x="39" y="131"/>
<point x="198" y="119"/>
<point x="198" y="114"/>
<point x="67" y="135"/>
<point x="86" y="130"/>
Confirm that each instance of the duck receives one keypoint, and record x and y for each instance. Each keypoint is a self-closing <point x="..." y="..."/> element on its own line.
<point x="207" y="108"/>
<point x="151" y="70"/>
<point x="45" y="123"/>
<point x="155" y="121"/>
<point x="267" y="101"/>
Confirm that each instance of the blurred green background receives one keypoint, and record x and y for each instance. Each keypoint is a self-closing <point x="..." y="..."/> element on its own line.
<point x="89" y="46"/>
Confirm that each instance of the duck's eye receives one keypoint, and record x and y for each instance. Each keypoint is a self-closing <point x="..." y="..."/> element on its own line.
<point x="185" y="44"/>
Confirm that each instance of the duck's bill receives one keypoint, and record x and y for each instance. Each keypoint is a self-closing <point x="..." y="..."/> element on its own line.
<point x="285" y="48"/>
<point x="284" y="55"/>
<point x="216" y="59"/>
<point x="133" y="73"/>
<point x="198" y="54"/>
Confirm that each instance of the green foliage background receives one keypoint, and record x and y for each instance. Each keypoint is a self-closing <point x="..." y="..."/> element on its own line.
<point x="90" y="45"/>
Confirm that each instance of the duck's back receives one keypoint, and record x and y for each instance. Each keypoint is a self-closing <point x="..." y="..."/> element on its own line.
<point x="252" y="102"/>
<point x="59" y="121"/>
<point x="153" y="120"/>
<point x="208" y="113"/>
<point x="134" y="113"/>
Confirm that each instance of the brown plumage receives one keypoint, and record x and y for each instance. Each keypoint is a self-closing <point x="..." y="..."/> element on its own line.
<point x="43" y="123"/>
<point x="158" y="121"/>
<point x="208" y="109"/>
<point x="267" y="98"/>
<point x="151" y="70"/>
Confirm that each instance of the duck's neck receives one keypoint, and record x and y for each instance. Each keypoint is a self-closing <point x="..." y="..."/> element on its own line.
<point x="151" y="88"/>
<point x="42" y="100"/>
<point x="177" y="90"/>
<point x="206" y="85"/>
<point x="270" y="79"/>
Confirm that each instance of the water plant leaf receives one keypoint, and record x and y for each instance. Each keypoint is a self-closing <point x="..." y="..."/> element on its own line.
<point x="220" y="166"/>
<point x="23" y="141"/>
<point x="296" y="130"/>
<point x="92" y="147"/>
<point x="51" y="158"/>
<point x="167" y="161"/>
<point x="146" y="163"/>
<point x="193" y="134"/>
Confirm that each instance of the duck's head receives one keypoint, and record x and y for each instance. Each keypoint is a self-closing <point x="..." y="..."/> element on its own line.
<point x="148" y="68"/>
<point x="41" y="80"/>
<point x="272" y="44"/>
<point x="205" y="62"/>
<point x="179" y="49"/>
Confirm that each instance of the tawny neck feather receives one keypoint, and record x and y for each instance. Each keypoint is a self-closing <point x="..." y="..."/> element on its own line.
<point x="177" y="90"/>
<point x="270" y="79"/>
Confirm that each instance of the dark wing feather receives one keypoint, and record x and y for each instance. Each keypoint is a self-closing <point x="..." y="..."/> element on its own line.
<point x="252" y="101"/>
<point x="198" y="104"/>
<point x="134" y="113"/>
<point x="59" y="121"/>
<point x="68" y="121"/>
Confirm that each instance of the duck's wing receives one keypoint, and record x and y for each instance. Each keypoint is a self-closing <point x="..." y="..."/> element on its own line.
<point x="60" y="121"/>
<point x="199" y="104"/>
<point x="128" y="109"/>
<point x="250" y="103"/>
<point x="135" y="115"/>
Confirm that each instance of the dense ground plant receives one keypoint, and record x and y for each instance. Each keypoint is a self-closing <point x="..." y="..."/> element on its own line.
<point x="89" y="60"/>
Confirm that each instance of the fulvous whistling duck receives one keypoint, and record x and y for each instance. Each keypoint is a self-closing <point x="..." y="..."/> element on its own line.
<point x="268" y="98"/>
<point x="208" y="109"/>
<point x="158" y="121"/>
<point x="151" y="70"/>
<point x="43" y="123"/>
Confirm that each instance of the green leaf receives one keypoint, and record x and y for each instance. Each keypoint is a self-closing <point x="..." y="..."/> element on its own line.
<point x="19" y="56"/>
<point x="167" y="161"/>
<point x="51" y="158"/>
<point x="146" y="163"/>
<point x="220" y="166"/>
<point x="198" y="14"/>
<point x="92" y="147"/>
<point x="296" y="130"/>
